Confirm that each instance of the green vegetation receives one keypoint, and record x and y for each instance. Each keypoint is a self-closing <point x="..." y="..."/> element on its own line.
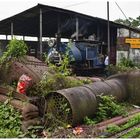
<point x="131" y="133"/>
<point x="113" y="129"/>
<point x="130" y="22"/>
<point x="10" y="122"/>
<point x="65" y="63"/>
<point x="125" y="65"/>
<point x="32" y="132"/>
<point x="15" y="49"/>
<point x="57" y="78"/>
<point x="131" y="122"/>
<point x="108" y="108"/>
<point x="54" y="82"/>
<point x="89" y="121"/>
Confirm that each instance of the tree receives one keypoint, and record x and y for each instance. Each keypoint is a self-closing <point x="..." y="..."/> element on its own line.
<point x="130" y="22"/>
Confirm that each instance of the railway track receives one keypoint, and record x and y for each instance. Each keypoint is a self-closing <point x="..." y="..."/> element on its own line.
<point x="126" y="131"/>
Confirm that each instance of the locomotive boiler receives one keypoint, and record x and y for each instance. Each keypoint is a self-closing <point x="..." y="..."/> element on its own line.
<point x="83" y="54"/>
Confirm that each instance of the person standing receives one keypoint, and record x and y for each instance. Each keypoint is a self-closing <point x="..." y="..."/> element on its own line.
<point x="106" y="63"/>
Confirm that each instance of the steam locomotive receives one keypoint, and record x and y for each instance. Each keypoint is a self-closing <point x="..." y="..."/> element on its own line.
<point x="83" y="54"/>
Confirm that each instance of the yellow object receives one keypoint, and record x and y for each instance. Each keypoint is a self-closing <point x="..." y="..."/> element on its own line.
<point x="134" y="42"/>
<point x="69" y="126"/>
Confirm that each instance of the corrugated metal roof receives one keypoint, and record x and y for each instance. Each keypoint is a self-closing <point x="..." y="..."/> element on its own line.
<point x="27" y="22"/>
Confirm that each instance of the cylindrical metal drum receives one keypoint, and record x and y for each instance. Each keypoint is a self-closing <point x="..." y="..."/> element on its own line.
<point x="80" y="101"/>
<point x="83" y="100"/>
<point x="112" y="87"/>
<point x="133" y="87"/>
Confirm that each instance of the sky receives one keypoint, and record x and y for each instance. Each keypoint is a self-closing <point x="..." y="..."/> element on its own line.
<point x="95" y="8"/>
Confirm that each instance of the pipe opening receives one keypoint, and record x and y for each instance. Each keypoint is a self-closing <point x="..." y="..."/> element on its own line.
<point x="58" y="109"/>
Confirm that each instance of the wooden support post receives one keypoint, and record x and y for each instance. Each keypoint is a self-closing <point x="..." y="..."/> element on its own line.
<point x="58" y="35"/>
<point x="77" y="28"/>
<point x="108" y="32"/>
<point x="12" y="30"/>
<point x="40" y="33"/>
<point x="6" y="37"/>
<point x="23" y="38"/>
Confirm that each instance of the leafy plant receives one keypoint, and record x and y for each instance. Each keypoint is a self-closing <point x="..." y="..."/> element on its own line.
<point x="10" y="122"/>
<point x="89" y="121"/>
<point x="131" y="133"/>
<point x="53" y="82"/>
<point x="126" y="62"/>
<point x="32" y="132"/>
<point x="125" y="65"/>
<point x="15" y="49"/>
<point x="113" y="128"/>
<point x="131" y="122"/>
<point x="64" y="65"/>
<point x="130" y="22"/>
<point x="65" y="62"/>
<point x="108" y="107"/>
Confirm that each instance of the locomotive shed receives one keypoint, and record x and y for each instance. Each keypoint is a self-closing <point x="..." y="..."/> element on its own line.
<point x="45" y="21"/>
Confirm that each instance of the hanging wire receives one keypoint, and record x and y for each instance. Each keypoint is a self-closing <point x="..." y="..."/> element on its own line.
<point x="121" y="10"/>
<point x="75" y="4"/>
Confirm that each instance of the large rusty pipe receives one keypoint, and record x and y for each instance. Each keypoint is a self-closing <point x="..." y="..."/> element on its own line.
<point x="28" y="65"/>
<point x="131" y="83"/>
<point x="83" y="100"/>
<point x="112" y="87"/>
<point x="133" y="87"/>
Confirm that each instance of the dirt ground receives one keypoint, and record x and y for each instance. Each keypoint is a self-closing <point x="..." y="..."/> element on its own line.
<point x="89" y="131"/>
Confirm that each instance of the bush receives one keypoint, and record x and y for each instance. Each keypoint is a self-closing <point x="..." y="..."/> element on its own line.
<point x="15" y="49"/>
<point x="122" y="67"/>
<point x="108" y="108"/>
<point x="53" y="82"/>
<point x="10" y="122"/>
<point x="126" y="63"/>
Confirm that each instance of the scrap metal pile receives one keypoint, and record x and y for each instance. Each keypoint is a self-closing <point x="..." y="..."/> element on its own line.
<point x="84" y="100"/>
<point x="28" y="65"/>
<point x="68" y="105"/>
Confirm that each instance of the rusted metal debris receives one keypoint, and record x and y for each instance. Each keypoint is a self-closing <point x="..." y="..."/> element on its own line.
<point x="112" y="120"/>
<point x="83" y="100"/>
<point x="28" y="65"/>
<point x="78" y="101"/>
<point x="120" y="121"/>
